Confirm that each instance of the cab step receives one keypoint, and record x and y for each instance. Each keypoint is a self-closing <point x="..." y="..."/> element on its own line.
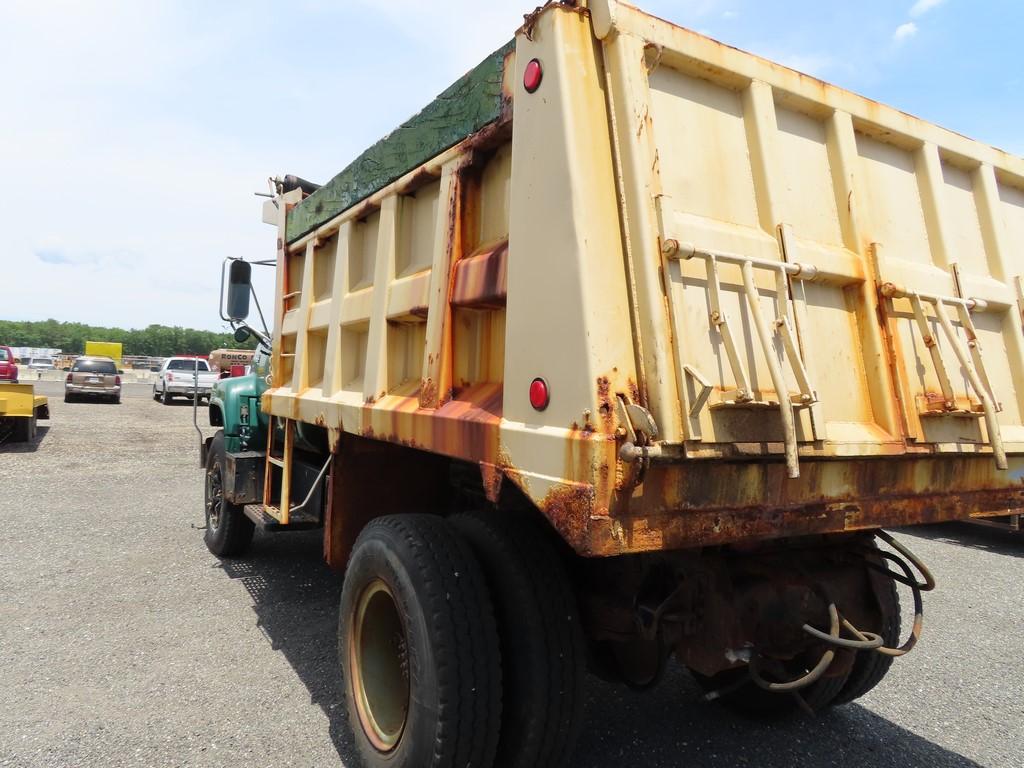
<point x="267" y="518"/>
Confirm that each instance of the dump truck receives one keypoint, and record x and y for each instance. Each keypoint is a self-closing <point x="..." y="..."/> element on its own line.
<point x="20" y="410"/>
<point x="622" y="353"/>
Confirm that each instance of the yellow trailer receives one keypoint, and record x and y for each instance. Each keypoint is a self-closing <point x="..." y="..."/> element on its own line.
<point x="20" y="409"/>
<point x="626" y="347"/>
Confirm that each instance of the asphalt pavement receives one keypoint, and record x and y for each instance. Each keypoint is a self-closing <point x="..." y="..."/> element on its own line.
<point x="123" y="642"/>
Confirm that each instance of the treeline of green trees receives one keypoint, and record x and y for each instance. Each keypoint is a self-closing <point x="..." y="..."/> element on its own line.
<point x="154" y="340"/>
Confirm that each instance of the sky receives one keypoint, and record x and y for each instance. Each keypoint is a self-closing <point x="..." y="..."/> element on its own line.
<point x="133" y="135"/>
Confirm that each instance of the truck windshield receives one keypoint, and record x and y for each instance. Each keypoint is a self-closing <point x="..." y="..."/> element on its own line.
<point x="187" y="365"/>
<point x="94" y="366"/>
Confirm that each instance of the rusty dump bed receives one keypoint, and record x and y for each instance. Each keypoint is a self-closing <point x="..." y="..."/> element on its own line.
<point x="761" y="306"/>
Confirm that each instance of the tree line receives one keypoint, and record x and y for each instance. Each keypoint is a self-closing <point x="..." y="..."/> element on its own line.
<point x="153" y="340"/>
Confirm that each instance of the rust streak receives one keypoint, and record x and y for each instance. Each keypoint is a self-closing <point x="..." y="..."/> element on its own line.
<point x="481" y="278"/>
<point x="605" y="408"/>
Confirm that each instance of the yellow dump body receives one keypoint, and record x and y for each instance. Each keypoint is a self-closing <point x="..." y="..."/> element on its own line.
<point x="111" y="349"/>
<point x="762" y="306"/>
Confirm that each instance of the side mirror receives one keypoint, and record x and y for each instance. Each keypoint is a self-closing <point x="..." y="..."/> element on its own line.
<point x="239" y="289"/>
<point x="242" y="335"/>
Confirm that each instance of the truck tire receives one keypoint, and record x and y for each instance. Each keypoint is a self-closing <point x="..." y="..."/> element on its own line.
<point x="165" y="396"/>
<point x="228" y="531"/>
<point x="543" y="650"/>
<point x="870" y="667"/>
<point x="24" y="429"/>
<point x="418" y="648"/>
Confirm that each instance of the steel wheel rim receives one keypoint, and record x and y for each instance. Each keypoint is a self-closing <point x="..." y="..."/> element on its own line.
<point x="214" y="497"/>
<point x="378" y="661"/>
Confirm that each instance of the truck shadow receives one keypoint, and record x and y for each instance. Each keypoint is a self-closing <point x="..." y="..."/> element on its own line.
<point x="295" y="597"/>
<point x="994" y="540"/>
<point x="673" y="726"/>
<point x="7" y="446"/>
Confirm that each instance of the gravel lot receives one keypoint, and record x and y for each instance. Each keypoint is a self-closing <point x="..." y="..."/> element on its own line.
<point x="124" y="643"/>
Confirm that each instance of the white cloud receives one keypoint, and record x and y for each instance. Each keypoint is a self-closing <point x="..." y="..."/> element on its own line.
<point x="730" y="15"/>
<point x="904" y="32"/>
<point x="449" y="31"/>
<point x="921" y="7"/>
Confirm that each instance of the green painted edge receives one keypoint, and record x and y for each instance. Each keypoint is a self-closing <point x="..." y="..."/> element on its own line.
<point x="471" y="103"/>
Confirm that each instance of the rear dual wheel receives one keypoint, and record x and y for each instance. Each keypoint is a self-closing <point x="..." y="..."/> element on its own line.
<point x="461" y="644"/>
<point x="543" y="650"/>
<point x="867" y="670"/>
<point x="869" y="667"/>
<point x="418" y="646"/>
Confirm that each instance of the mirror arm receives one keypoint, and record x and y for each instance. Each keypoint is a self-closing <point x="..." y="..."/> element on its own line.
<point x="263" y="338"/>
<point x="259" y="309"/>
<point x="220" y="308"/>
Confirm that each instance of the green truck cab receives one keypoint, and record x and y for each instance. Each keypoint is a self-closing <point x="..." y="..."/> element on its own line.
<point x="235" y="406"/>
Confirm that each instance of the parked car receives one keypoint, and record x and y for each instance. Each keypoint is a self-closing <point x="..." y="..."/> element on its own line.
<point x="94" y="377"/>
<point x="177" y="378"/>
<point x="40" y="364"/>
<point x="8" y="367"/>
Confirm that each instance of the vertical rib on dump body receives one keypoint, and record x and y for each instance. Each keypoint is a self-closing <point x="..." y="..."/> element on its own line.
<point x="762" y="306"/>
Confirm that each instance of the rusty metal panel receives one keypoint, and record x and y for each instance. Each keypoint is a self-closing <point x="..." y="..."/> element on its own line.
<point x="796" y="224"/>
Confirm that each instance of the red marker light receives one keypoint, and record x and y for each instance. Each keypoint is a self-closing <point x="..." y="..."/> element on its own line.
<point x="539" y="395"/>
<point x="533" y="75"/>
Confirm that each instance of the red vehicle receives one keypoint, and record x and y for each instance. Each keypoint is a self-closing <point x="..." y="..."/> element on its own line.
<point x="8" y="370"/>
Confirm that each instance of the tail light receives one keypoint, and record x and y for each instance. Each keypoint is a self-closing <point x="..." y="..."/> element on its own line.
<point x="533" y="75"/>
<point x="170" y="377"/>
<point x="68" y="379"/>
<point x="539" y="394"/>
<point x="117" y="381"/>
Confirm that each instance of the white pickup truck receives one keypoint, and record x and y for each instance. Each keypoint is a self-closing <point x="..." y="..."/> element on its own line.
<point x="177" y="377"/>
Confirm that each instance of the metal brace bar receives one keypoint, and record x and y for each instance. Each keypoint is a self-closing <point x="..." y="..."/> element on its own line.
<point x="267" y="467"/>
<point x="286" y="470"/>
<point x="894" y="291"/>
<point x="312" y="488"/>
<point x="798" y="309"/>
<point x="687" y="251"/>
<point x="974" y="345"/>
<point x="807" y="393"/>
<point x="933" y="349"/>
<point x="705" y="390"/>
<point x="721" y="322"/>
<point x="988" y="406"/>
<point x="784" y="324"/>
<point x="778" y="380"/>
